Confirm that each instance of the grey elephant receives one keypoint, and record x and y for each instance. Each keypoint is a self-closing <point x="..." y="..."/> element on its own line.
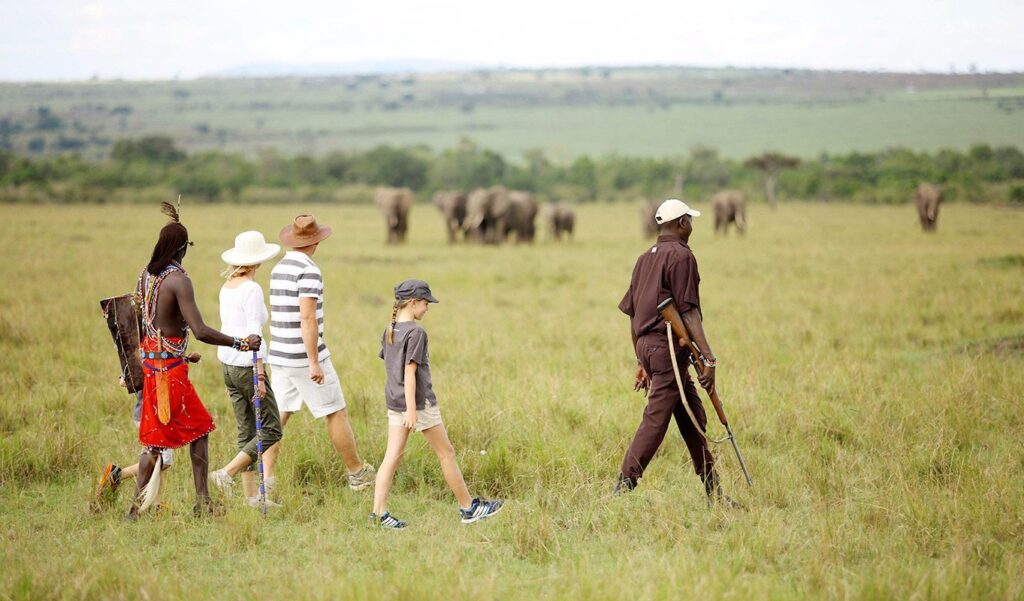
<point x="394" y="204"/>
<point x="647" y="211"/>
<point x="561" y="220"/>
<point x="730" y="207"/>
<point x="452" y="205"/>
<point x="486" y="214"/>
<point x="522" y="216"/>
<point x="928" y="197"/>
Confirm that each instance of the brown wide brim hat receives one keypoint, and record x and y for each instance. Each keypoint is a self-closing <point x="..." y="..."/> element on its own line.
<point x="304" y="231"/>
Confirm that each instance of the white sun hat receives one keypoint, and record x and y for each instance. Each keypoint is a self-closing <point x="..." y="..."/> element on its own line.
<point x="251" y="248"/>
<point x="672" y="209"/>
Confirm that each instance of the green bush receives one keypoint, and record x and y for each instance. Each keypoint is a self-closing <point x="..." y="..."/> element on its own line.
<point x="1017" y="193"/>
<point x="887" y="176"/>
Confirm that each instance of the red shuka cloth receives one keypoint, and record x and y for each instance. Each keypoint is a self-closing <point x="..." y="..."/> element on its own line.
<point x="189" y="419"/>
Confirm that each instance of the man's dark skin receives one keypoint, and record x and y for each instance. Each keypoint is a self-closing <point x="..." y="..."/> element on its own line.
<point x="176" y="307"/>
<point x="682" y="228"/>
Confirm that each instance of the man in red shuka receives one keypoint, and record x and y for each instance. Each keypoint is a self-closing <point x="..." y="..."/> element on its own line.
<point x="172" y="414"/>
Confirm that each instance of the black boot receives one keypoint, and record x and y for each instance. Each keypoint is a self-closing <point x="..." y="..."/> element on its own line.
<point x="624" y="484"/>
<point x="713" y="490"/>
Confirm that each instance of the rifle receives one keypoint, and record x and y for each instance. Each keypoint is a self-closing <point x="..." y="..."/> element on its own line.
<point x="668" y="311"/>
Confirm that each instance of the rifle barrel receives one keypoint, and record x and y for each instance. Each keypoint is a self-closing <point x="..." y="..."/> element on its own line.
<point x="743" y="464"/>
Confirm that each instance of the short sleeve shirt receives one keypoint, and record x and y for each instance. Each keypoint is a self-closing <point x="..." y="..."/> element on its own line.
<point x="409" y="345"/>
<point x="295" y="276"/>
<point x="667" y="269"/>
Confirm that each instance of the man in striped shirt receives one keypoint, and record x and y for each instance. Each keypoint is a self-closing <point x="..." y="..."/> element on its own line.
<point x="302" y="368"/>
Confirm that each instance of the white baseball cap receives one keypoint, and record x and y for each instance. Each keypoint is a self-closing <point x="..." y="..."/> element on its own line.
<point x="673" y="209"/>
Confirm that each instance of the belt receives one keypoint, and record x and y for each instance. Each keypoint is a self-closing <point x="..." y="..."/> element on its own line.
<point x="165" y="368"/>
<point x="154" y="355"/>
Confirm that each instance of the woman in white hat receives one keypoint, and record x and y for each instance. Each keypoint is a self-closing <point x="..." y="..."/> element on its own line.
<point x="242" y="312"/>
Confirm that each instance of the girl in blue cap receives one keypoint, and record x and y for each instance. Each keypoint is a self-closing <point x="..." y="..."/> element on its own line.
<point x="412" y="406"/>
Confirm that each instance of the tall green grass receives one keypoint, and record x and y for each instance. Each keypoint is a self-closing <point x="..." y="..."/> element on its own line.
<point x="872" y="374"/>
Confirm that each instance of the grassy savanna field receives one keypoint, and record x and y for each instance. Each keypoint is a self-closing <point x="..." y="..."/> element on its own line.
<point x="872" y="374"/>
<point x="566" y="113"/>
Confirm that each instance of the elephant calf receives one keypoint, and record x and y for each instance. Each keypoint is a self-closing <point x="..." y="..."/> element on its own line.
<point x="394" y="204"/>
<point x="452" y="205"/>
<point x="928" y="197"/>
<point x="730" y="206"/>
<point x="561" y="220"/>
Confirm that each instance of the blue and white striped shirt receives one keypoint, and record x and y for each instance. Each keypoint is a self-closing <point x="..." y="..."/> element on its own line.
<point x="295" y="276"/>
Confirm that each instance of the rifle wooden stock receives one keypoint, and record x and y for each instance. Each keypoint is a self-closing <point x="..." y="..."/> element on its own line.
<point x="669" y="313"/>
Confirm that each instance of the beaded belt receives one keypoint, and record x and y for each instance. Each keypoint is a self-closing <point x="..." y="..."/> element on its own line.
<point x="160" y="370"/>
<point x="160" y="355"/>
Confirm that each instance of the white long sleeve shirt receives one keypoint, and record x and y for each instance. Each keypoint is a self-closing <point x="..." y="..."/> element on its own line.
<point x="242" y="313"/>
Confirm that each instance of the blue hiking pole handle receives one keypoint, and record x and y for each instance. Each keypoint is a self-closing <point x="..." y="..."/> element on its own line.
<point x="259" y="435"/>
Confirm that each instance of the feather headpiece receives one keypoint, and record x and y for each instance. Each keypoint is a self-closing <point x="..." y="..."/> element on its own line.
<point x="171" y="211"/>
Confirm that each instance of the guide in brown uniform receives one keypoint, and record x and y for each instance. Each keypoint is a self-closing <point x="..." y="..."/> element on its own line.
<point x="668" y="270"/>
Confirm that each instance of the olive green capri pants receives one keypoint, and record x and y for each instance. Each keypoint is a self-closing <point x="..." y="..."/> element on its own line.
<point x="238" y="381"/>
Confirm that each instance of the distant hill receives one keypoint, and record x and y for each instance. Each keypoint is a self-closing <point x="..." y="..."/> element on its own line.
<point x="391" y="67"/>
<point x="565" y="112"/>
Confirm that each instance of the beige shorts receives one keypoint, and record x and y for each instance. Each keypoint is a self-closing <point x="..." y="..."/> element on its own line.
<point x="292" y="387"/>
<point x="426" y="418"/>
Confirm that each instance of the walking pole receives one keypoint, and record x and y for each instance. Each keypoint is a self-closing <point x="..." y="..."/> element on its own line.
<point x="259" y="432"/>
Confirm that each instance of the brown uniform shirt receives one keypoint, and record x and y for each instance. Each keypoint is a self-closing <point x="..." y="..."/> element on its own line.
<point x="667" y="269"/>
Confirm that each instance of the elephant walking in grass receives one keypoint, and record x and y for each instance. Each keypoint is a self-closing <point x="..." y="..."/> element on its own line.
<point x="394" y="204"/>
<point x="730" y="206"/>
<point x="561" y="220"/>
<point x="486" y="214"/>
<point x="928" y="197"/>
<point x="522" y="216"/>
<point x="452" y="205"/>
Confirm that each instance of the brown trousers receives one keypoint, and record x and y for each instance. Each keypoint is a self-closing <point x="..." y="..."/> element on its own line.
<point x="663" y="403"/>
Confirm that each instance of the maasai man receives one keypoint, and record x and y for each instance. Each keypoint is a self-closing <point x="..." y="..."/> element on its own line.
<point x="172" y="414"/>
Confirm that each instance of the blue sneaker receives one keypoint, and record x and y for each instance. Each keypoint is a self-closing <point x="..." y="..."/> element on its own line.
<point x="386" y="520"/>
<point x="480" y="509"/>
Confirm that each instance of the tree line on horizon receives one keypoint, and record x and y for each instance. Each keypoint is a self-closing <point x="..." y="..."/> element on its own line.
<point x="981" y="173"/>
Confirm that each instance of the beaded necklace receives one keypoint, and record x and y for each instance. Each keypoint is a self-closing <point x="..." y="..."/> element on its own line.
<point x="149" y="290"/>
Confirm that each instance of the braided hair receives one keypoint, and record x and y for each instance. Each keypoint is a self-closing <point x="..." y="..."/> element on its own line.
<point x="394" y="317"/>
<point x="172" y="241"/>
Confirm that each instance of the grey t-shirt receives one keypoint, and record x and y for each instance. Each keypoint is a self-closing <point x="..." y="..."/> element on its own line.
<point x="410" y="344"/>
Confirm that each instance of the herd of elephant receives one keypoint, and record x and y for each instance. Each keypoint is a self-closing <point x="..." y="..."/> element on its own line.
<point x="484" y="215"/>
<point x="730" y="209"/>
<point x="496" y="214"/>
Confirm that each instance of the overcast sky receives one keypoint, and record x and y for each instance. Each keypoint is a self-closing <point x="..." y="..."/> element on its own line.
<point x="155" y="39"/>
